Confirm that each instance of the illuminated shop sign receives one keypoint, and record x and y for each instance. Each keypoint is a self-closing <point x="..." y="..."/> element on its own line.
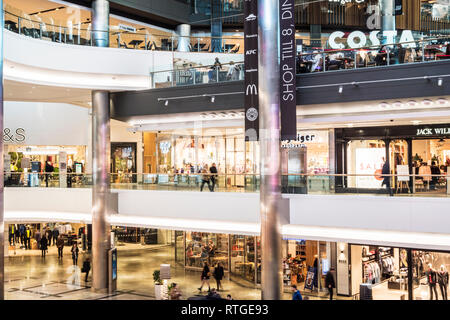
<point x="358" y="39"/>
<point x="164" y="146"/>
<point x="299" y="142"/>
<point x="433" y="132"/>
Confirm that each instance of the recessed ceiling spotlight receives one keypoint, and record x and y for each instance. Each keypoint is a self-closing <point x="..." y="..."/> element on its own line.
<point x="412" y="103"/>
<point x="398" y="104"/>
<point x="166" y="103"/>
<point x="213" y="99"/>
<point x="440" y="81"/>
<point x="416" y="122"/>
<point x="427" y="102"/>
<point x="341" y="88"/>
<point x="350" y="125"/>
<point x="384" y="105"/>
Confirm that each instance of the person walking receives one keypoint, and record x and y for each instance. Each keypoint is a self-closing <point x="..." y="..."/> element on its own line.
<point x="44" y="244"/>
<point x="86" y="267"/>
<point x="55" y="235"/>
<point x="213" y="177"/>
<point x="28" y="238"/>
<point x="60" y="246"/>
<point x="49" y="236"/>
<point x="48" y="169"/>
<point x="37" y="237"/>
<point x="218" y="275"/>
<point x="74" y="251"/>
<point x="22" y="232"/>
<point x="205" y="178"/>
<point x="329" y="282"/>
<point x="205" y="277"/>
<point x="296" y="293"/>
<point x="386" y="179"/>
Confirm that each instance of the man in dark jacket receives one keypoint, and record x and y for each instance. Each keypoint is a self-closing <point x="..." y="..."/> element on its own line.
<point x="218" y="275"/>
<point x="329" y="282"/>
<point x="386" y="179"/>
<point x="213" y="178"/>
<point x="48" y="169"/>
<point x="43" y="246"/>
<point x="60" y="246"/>
<point x="55" y="235"/>
<point x="49" y="236"/>
<point x="435" y="171"/>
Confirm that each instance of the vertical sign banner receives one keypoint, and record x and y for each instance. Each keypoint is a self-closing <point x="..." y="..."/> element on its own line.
<point x="251" y="70"/>
<point x="288" y="103"/>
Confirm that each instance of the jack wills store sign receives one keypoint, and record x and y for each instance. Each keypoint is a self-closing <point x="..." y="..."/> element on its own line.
<point x="288" y="103"/>
<point x="251" y="70"/>
<point x="444" y="131"/>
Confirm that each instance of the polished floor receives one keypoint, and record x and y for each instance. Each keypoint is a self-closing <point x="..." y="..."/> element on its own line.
<point x="30" y="277"/>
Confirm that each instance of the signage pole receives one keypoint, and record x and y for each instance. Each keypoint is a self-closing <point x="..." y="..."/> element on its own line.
<point x="269" y="122"/>
<point x="2" y="222"/>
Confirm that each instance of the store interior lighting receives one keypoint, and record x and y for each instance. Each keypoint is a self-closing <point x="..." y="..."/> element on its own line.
<point x="440" y="81"/>
<point x="166" y="103"/>
<point x="341" y="88"/>
<point x="213" y="99"/>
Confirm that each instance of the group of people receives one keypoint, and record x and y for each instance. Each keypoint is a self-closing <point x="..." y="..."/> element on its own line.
<point x="424" y="172"/>
<point x="207" y="252"/>
<point x="218" y="274"/>
<point x="20" y="234"/>
<point x="437" y="277"/>
<point x="209" y="177"/>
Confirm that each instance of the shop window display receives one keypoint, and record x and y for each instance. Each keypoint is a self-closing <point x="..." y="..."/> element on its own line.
<point x="439" y="263"/>
<point x="244" y="257"/>
<point x="365" y="158"/>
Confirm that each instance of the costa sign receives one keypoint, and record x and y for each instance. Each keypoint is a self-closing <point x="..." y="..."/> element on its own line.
<point x="358" y="39"/>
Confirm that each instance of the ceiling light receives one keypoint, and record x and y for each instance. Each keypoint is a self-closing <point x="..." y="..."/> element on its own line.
<point x="398" y="104"/>
<point x="341" y="88"/>
<point x="213" y="99"/>
<point x="350" y="125"/>
<point x="440" y="81"/>
<point x="384" y="105"/>
<point x="416" y="122"/>
<point x="412" y="103"/>
<point x="166" y="103"/>
<point x="427" y="102"/>
<point x="442" y="101"/>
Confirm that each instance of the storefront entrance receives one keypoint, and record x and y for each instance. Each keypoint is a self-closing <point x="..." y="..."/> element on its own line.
<point x="410" y="150"/>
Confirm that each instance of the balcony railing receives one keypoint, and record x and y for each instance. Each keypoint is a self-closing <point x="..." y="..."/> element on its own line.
<point x="399" y="184"/>
<point x="46" y="28"/>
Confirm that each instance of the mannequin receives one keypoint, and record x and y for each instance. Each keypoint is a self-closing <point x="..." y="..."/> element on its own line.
<point x="442" y="276"/>
<point x="431" y="280"/>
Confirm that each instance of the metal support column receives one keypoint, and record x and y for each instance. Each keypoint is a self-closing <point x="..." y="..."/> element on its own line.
<point x="270" y="193"/>
<point x="101" y="154"/>
<point x="2" y="222"/>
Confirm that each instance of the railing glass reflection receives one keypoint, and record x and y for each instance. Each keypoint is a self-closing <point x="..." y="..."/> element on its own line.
<point x="399" y="185"/>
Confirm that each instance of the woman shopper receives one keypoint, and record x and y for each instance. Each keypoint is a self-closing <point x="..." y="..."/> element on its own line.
<point x="74" y="251"/>
<point x="60" y="246"/>
<point x="218" y="275"/>
<point x="44" y="244"/>
<point x="205" y="277"/>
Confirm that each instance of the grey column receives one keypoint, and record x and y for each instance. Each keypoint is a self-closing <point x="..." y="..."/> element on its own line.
<point x="101" y="154"/>
<point x="184" y="37"/>
<point x="2" y="222"/>
<point x="269" y="124"/>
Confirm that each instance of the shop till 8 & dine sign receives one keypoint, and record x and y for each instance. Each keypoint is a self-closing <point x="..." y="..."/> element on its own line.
<point x="288" y="103"/>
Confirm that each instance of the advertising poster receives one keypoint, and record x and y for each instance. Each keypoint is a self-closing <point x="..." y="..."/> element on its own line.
<point x="309" y="282"/>
<point x="369" y="162"/>
<point x="251" y="70"/>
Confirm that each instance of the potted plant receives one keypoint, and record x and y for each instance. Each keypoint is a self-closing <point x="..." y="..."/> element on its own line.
<point x="158" y="284"/>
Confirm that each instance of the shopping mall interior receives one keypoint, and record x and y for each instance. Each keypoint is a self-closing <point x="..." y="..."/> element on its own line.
<point x="137" y="139"/>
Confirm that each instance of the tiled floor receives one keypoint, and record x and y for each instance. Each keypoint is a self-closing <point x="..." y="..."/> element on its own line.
<point x="33" y="277"/>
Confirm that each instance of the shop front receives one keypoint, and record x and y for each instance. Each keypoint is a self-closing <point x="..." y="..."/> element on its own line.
<point x="405" y="150"/>
<point x="370" y="272"/>
<point x="237" y="161"/>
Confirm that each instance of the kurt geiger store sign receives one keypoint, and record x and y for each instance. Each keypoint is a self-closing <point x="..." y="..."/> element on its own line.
<point x="433" y="132"/>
